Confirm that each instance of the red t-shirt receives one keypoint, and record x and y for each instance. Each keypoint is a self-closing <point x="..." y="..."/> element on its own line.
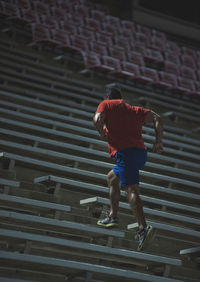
<point x="123" y="125"/>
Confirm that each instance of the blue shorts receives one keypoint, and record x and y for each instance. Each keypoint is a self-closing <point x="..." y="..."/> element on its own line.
<point x="129" y="162"/>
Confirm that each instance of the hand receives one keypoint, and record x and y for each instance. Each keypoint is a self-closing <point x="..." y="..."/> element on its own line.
<point x="158" y="147"/>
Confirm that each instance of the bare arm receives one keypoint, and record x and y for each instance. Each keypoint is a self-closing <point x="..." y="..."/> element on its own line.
<point x="152" y="117"/>
<point x="99" y="122"/>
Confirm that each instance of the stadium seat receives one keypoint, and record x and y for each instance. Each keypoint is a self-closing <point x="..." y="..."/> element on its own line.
<point x="123" y="42"/>
<point x="188" y="61"/>
<point x="135" y="58"/>
<point x="153" y="56"/>
<point x="104" y="37"/>
<point x="98" y="15"/>
<point x="159" y="34"/>
<point x="107" y="27"/>
<point x="189" y="52"/>
<point x="113" y="21"/>
<point x="117" y="52"/>
<point x="59" y="14"/>
<point x="167" y="80"/>
<point x="110" y="64"/>
<point x="81" y="11"/>
<point x="172" y="57"/>
<point x="25" y="16"/>
<point x="41" y="8"/>
<point x="68" y="26"/>
<point x="50" y="22"/>
<point x="185" y="86"/>
<point x="157" y="43"/>
<point x="139" y="48"/>
<point x="128" y="70"/>
<point x="91" y="61"/>
<point x="187" y="72"/>
<point x="8" y="10"/>
<point x="24" y="4"/>
<point x="143" y="29"/>
<point x="88" y="33"/>
<point x="142" y="39"/>
<point x="149" y="75"/>
<point x="128" y="25"/>
<point x="80" y="43"/>
<point x="90" y="22"/>
<point x="126" y="33"/>
<point x="172" y="47"/>
<point x="171" y="67"/>
<point x="41" y="34"/>
<point x="66" y="6"/>
<point x="99" y="49"/>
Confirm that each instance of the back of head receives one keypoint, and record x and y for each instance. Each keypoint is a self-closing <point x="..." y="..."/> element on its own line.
<point x="113" y="93"/>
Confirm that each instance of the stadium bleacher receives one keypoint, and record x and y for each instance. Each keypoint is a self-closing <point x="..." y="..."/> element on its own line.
<point x="57" y="58"/>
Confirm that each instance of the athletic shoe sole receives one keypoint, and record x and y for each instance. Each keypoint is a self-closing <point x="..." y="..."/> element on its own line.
<point x="148" y="236"/>
<point x="107" y="225"/>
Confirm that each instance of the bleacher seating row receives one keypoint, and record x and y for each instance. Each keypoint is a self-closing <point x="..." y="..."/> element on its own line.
<point x="52" y="160"/>
<point x="107" y="44"/>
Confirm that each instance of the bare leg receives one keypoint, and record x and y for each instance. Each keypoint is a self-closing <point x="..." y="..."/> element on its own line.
<point x="113" y="184"/>
<point x="136" y="205"/>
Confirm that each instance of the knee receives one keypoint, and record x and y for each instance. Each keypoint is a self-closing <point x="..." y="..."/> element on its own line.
<point x="112" y="179"/>
<point x="132" y="194"/>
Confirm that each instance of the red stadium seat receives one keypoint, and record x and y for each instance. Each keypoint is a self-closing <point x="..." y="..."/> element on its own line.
<point x="128" y="70"/>
<point x="81" y="11"/>
<point x="104" y="37"/>
<point x="123" y="42"/>
<point x="188" y="61"/>
<point x="187" y="72"/>
<point x="41" y="8"/>
<point x="128" y="25"/>
<point x="159" y="34"/>
<point x="91" y="61"/>
<point x="99" y="49"/>
<point x="8" y="10"/>
<point x="139" y="48"/>
<point x="189" y="52"/>
<point x="69" y="26"/>
<point x="148" y="75"/>
<point x="98" y="15"/>
<point x="167" y="80"/>
<point x="172" y="47"/>
<point x="117" y="52"/>
<point x="66" y="6"/>
<point x="172" y="57"/>
<point x="185" y="86"/>
<point x="113" y="21"/>
<point x="41" y="34"/>
<point x="50" y="22"/>
<point x="58" y="13"/>
<point x="109" y="64"/>
<point x="107" y="27"/>
<point x="89" y="22"/>
<point x="171" y="68"/>
<point x="88" y="33"/>
<point x="127" y="33"/>
<point x="136" y="58"/>
<point x="24" y="4"/>
<point x="157" y="43"/>
<point x="80" y="43"/>
<point x="142" y="39"/>
<point x="145" y="30"/>
<point x="153" y="57"/>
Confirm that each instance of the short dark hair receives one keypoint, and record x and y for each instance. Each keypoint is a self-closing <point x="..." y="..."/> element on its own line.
<point x="114" y="93"/>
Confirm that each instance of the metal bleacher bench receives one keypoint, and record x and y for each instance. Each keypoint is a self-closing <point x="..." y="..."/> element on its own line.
<point x="63" y="156"/>
<point x="44" y="165"/>
<point x="169" y="99"/>
<point x="89" y="116"/>
<point x="63" y="265"/>
<point x="102" y="191"/>
<point x="64" y="226"/>
<point x="192" y="254"/>
<point x="95" y="201"/>
<point x="89" y="124"/>
<point x="23" y="203"/>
